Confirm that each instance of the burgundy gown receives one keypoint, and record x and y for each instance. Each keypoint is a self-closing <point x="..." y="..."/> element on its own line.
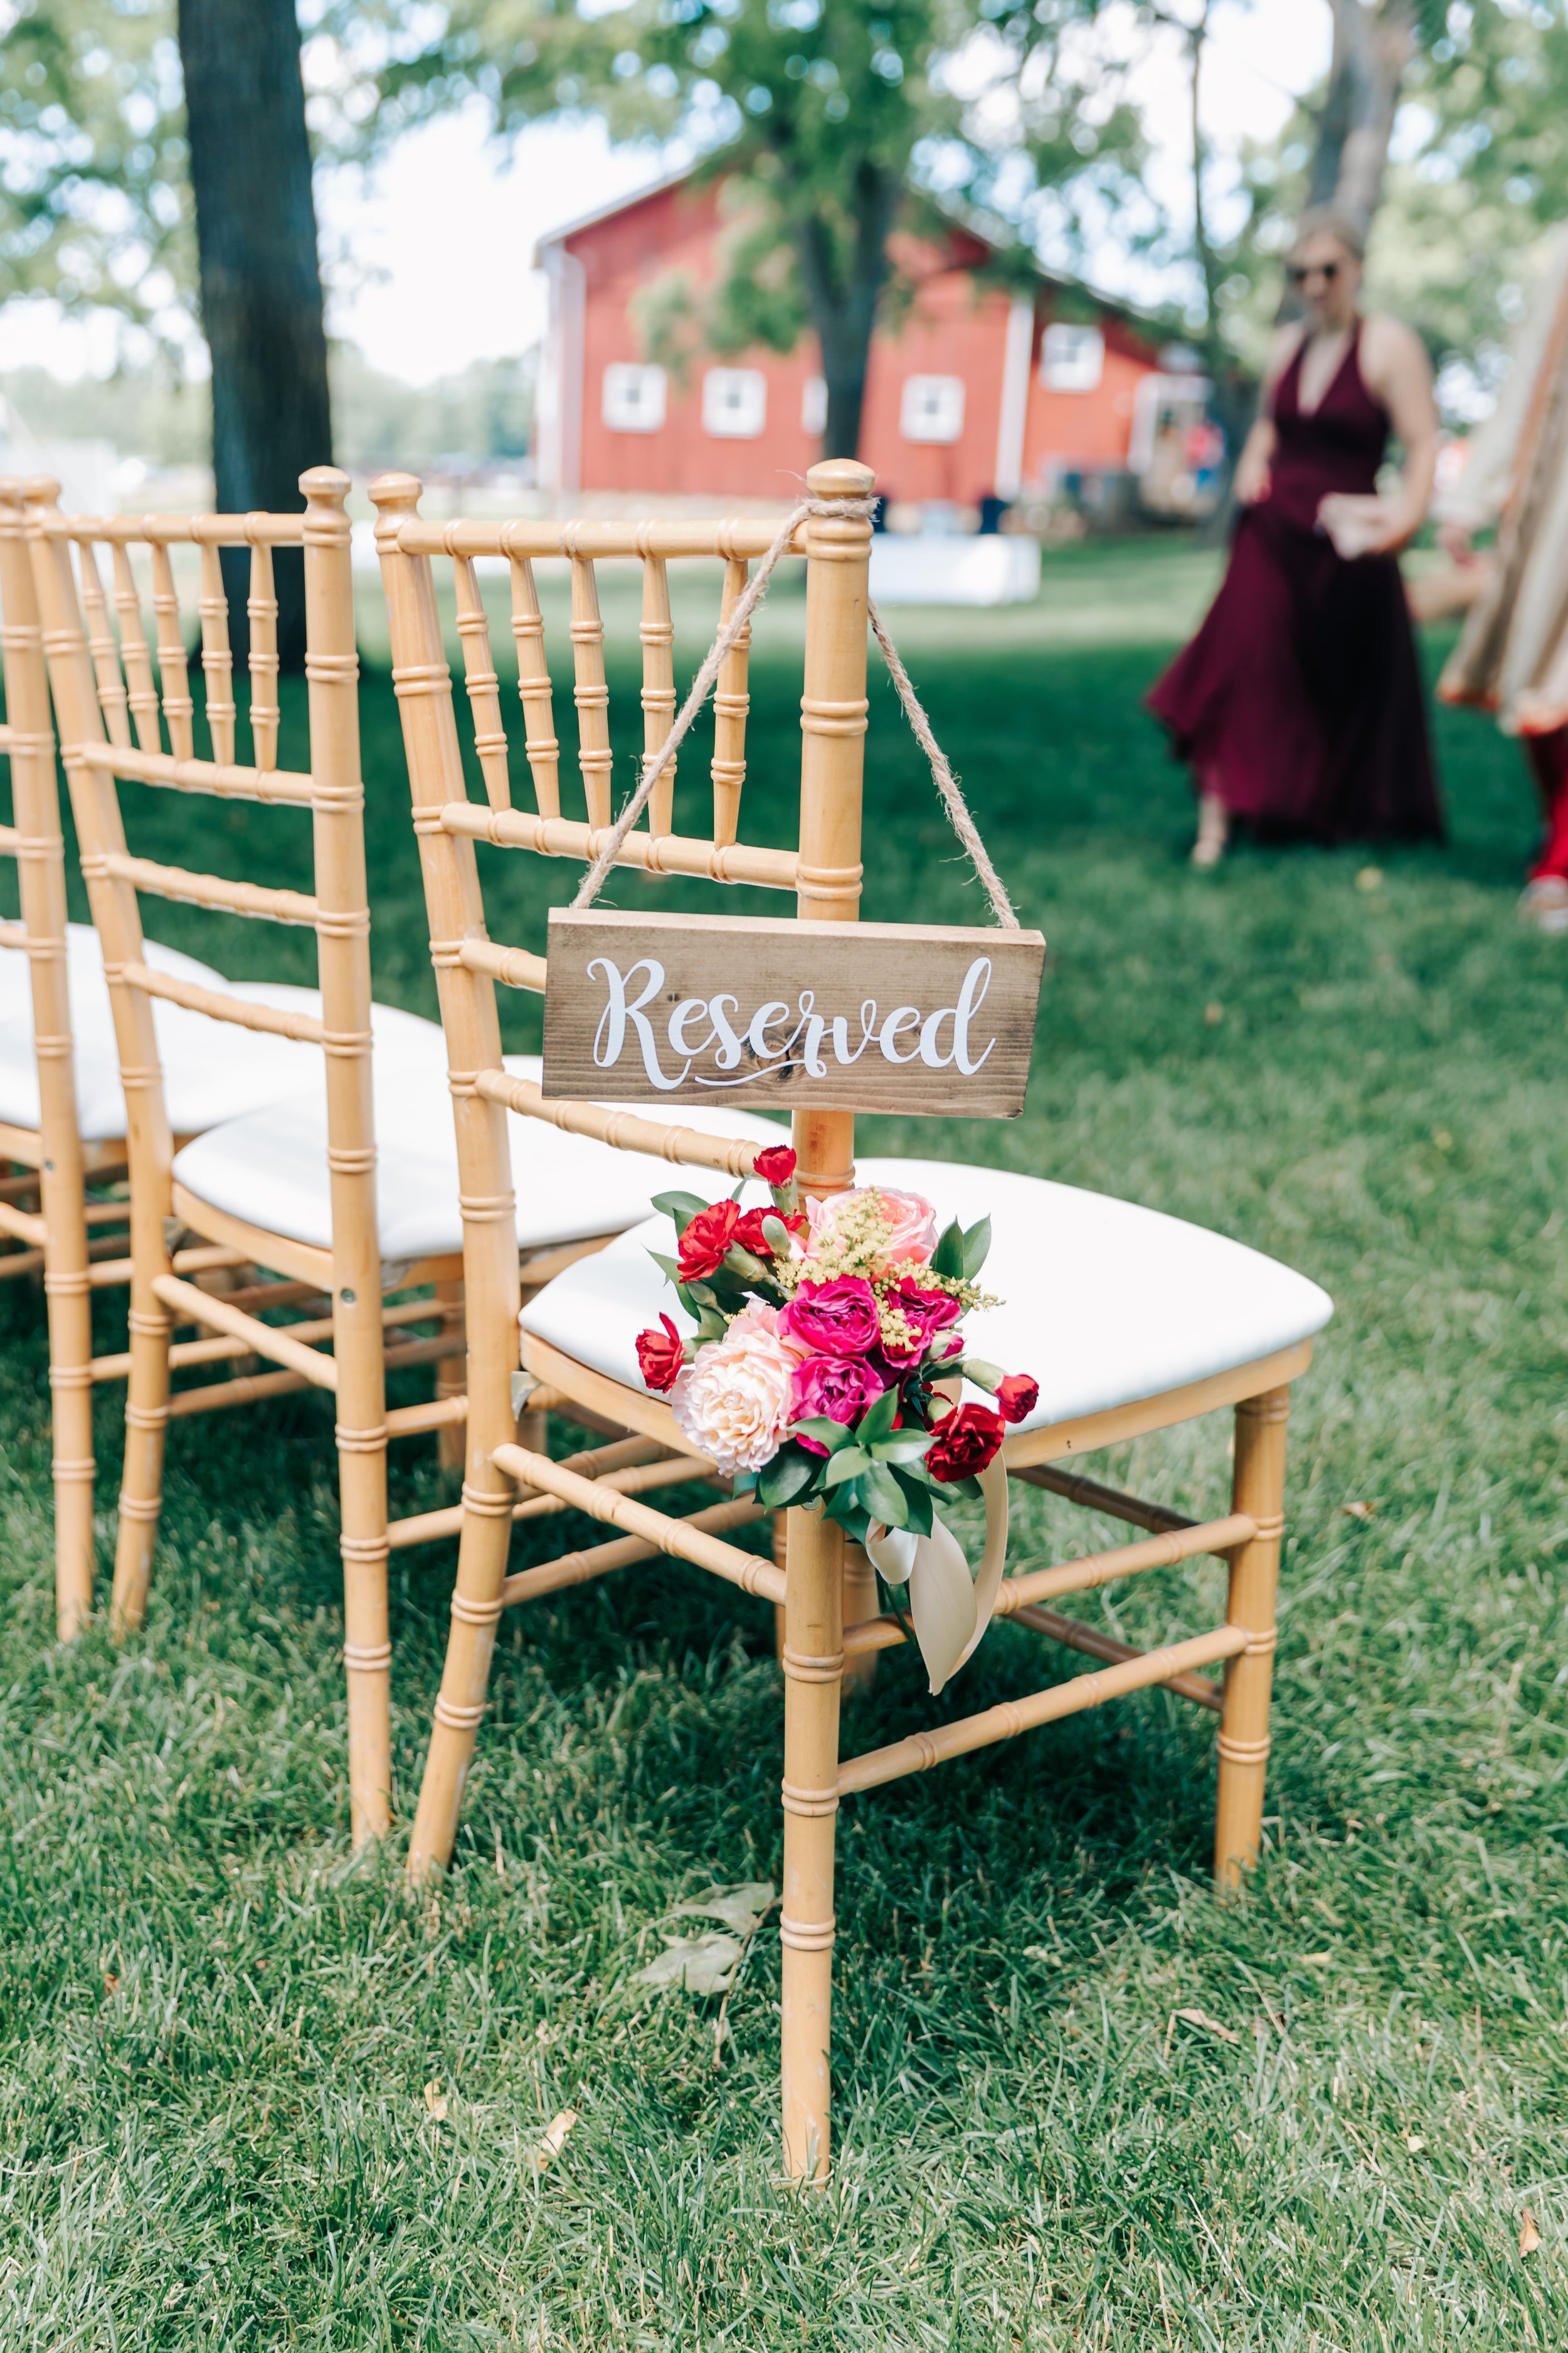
<point x="1299" y="702"/>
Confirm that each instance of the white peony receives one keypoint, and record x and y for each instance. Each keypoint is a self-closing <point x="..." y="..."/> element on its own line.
<point x="733" y="1400"/>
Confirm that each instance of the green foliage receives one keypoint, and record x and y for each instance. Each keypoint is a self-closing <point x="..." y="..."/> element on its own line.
<point x="95" y="203"/>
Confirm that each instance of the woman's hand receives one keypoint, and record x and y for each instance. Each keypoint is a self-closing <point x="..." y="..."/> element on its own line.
<point x="1360" y="526"/>
<point x="1252" y="475"/>
<point x="1458" y="542"/>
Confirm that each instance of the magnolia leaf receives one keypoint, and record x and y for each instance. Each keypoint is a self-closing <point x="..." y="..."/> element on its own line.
<point x="916" y="1495"/>
<point x="847" y="1463"/>
<point x="703" y="1964"/>
<point x="741" y="1908"/>
<point x="948" y="1256"/>
<point x="831" y="1434"/>
<point x="976" y="1248"/>
<point x="552" y="2141"/>
<point x="679" y="1207"/>
<point x="876" y="1422"/>
<point x="787" y="1476"/>
<point x="882" y="1494"/>
<point x="901" y="1445"/>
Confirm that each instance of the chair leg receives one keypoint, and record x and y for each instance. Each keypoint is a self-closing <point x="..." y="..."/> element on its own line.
<point x="361" y="1433"/>
<point x="146" y="1431"/>
<point x="451" y="1375"/>
<point x="813" y="1665"/>
<point x="68" y="1301"/>
<point x="464" y="1679"/>
<point x="1258" y="1488"/>
<point x="861" y="1601"/>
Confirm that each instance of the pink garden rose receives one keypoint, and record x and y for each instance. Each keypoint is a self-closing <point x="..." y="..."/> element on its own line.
<point x="833" y="1319"/>
<point x="733" y="1400"/>
<point x="912" y="1220"/>
<point x="840" y="1387"/>
<point x="927" y="1311"/>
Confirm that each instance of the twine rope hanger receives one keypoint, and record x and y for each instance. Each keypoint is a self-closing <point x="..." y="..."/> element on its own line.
<point x="947" y="784"/>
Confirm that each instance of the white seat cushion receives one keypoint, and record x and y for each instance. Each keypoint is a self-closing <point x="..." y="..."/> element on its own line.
<point x="271" y="1169"/>
<point x="1103" y="1303"/>
<point x="212" y="1071"/>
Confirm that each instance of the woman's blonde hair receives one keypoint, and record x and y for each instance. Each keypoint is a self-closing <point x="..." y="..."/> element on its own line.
<point x="1323" y="220"/>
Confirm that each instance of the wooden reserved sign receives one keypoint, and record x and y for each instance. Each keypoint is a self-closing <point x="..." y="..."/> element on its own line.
<point x="723" y="1008"/>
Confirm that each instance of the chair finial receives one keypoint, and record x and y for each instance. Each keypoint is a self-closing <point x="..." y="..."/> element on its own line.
<point x="841" y="477"/>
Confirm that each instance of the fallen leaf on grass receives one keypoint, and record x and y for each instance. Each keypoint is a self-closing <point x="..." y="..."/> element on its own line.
<point x="1529" y="2236"/>
<point x="1359" y="1511"/>
<point x="706" y="1962"/>
<point x="740" y="1908"/>
<point x="553" y="2140"/>
<point x="701" y="1964"/>
<point x="1210" y="2025"/>
<point x="1413" y="2143"/>
<point x="435" y="2101"/>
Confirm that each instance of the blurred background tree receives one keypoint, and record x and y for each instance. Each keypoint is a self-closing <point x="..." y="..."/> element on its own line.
<point x="157" y="162"/>
<point x="832" y="119"/>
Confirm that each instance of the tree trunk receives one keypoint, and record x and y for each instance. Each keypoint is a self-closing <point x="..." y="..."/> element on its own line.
<point x="843" y="299"/>
<point x="259" y="276"/>
<point x="1372" y="47"/>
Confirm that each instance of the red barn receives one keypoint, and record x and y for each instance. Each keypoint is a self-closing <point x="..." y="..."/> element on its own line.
<point x="971" y="390"/>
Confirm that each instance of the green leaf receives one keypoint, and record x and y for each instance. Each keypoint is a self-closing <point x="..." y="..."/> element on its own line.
<point x="878" y="1419"/>
<point x="882" y="1494"/>
<point x="847" y="1463"/>
<point x="667" y="1267"/>
<point x="948" y="1256"/>
<point x="681" y="1207"/>
<point x="831" y="1434"/>
<point x="916" y="1495"/>
<point x="976" y="1248"/>
<point x="902" y="1446"/>
<point x="844" y="1506"/>
<point x="970" y="1489"/>
<point x="786" y="1478"/>
<point x="710" y="1325"/>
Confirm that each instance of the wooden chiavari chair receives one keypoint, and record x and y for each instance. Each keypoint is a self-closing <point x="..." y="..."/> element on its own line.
<point x="1131" y="1321"/>
<point x="62" y="1109"/>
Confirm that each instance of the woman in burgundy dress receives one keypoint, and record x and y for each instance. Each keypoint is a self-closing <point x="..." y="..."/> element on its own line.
<point x="1300" y="703"/>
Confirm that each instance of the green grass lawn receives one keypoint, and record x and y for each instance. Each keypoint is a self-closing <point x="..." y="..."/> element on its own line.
<point x="216" y="2029"/>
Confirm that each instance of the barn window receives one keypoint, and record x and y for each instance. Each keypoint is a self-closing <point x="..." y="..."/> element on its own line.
<point x="734" y="403"/>
<point x="932" y="409"/>
<point x="633" y="398"/>
<point x="1073" y="359"/>
<point x="814" y="405"/>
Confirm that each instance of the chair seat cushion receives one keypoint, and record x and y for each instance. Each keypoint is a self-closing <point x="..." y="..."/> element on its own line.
<point x="1103" y="1303"/>
<point x="271" y="1169"/>
<point x="212" y="1071"/>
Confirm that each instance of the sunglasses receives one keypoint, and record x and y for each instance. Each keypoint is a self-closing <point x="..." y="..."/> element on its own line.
<point x="1300" y="271"/>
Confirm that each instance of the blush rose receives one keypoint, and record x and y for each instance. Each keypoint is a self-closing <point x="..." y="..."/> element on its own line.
<point x="733" y="1400"/>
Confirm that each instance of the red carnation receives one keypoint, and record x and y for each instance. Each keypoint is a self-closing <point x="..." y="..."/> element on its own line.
<point x="661" y="1354"/>
<point x="707" y="1239"/>
<point x="964" y="1443"/>
<point x="750" y="1235"/>
<point x="774" y="1165"/>
<point x="1018" y="1396"/>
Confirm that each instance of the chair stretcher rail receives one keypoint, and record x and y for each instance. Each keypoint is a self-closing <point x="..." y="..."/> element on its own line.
<point x="731" y="1155"/>
<point x="276" y="1021"/>
<point x="1097" y="1645"/>
<point x="205" y="890"/>
<point x="594" y="1463"/>
<point x="513" y="967"/>
<point x="265" y="1339"/>
<point x="923" y="1749"/>
<point x="680" y="1538"/>
<point x="1093" y="1497"/>
<point x="223" y="781"/>
<point x="600" y="1560"/>
<point x="662" y="853"/>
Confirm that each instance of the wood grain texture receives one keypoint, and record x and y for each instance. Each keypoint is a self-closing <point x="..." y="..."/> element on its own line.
<point x="934" y="1020"/>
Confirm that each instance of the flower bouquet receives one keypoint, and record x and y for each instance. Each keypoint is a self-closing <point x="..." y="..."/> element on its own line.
<point x="824" y="1372"/>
